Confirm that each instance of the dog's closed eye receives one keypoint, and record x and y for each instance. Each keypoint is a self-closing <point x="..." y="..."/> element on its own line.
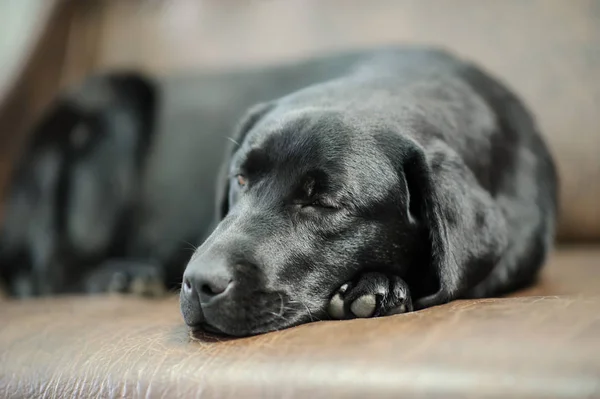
<point x="321" y="203"/>
<point x="317" y="203"/>
<point x="312" y="198"/>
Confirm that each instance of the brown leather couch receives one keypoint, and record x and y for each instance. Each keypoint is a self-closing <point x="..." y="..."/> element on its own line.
<point x="540" y="342"/>
<point x="546" y="345"/>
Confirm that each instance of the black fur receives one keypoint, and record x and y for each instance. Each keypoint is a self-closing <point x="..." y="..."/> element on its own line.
<point x="73" y="192"/>
<point x="406" y="164"/>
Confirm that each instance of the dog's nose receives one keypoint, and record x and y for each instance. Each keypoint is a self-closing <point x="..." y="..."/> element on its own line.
<point x="208" y="282"/>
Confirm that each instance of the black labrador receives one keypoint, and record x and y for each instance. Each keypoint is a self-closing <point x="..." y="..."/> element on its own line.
<point x="359" y="185"/>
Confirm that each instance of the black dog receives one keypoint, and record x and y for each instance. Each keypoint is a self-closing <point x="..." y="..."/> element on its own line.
<point x="72" y="192"/>
<point x="375" y="172"/>
<point x="409" y="169"/>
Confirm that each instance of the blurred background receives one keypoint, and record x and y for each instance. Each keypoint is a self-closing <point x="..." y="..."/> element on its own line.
<point x="548" y="51"/>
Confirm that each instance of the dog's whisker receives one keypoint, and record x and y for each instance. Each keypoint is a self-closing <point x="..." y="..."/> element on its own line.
<point x="176" y="289"/>
<point x="312" y="318"/>
<point x="280" y="303"/>
<point x="192" y="247"/>
<point x="233" y="141"/>
<point x="279" y="316"/>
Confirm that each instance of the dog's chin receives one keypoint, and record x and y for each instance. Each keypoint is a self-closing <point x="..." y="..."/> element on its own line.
<point x="240" y="318"/>
<point x="205" y="328"/>
<point x="245" y="329"/>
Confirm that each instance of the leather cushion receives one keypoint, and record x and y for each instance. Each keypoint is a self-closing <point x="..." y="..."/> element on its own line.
<point x="531" y="346"/>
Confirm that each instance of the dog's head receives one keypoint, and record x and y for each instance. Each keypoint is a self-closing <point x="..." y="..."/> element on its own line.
<point x="74" y="181"/>
<point x="309" y="199"/>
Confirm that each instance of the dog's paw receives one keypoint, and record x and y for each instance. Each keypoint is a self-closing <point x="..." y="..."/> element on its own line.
<point x="372" y="295"/>
<point x="127" y="277"/>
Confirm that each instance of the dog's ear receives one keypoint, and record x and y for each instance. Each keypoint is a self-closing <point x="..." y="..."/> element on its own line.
<point x="112" y="101"/>
<point x="248" y="121"/>
<point x="101" y="172"/>
<point x="142" y="95"/>
<point x="466" y="229"/>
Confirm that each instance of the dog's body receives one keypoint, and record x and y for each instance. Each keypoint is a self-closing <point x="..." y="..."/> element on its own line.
<point x="398" y="174"/>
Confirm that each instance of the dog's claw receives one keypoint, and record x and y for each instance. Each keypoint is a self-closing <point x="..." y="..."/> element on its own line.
<point x="344" y="288"/>
<point x="374" y="294"/>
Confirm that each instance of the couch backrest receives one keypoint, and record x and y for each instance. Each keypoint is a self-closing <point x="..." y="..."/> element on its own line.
<point x="547" y="50"/>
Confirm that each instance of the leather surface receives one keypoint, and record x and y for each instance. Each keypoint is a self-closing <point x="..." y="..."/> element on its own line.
<point x="528" y="347"/>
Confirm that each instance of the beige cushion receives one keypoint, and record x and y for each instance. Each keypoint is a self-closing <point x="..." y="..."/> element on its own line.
<point x="528" y="347"/>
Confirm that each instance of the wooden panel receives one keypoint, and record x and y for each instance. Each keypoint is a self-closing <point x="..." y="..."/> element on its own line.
<point x="33" y="88"/>
<point x="65" y="51"/>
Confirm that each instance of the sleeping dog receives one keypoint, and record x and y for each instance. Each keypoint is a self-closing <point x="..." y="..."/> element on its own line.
<point x="357" y="185"/>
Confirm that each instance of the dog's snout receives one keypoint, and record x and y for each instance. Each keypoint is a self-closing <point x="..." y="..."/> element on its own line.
<point x="209" y="282"/>
<point x="227" y="293"/>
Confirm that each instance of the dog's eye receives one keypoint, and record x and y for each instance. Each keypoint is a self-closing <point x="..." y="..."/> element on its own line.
<point x="241" y="180"/>
<point x="320" y="204"/>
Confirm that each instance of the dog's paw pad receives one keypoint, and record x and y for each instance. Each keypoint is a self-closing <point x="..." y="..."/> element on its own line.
<point x="336" y="307"/>
<point x="364" y="306"/>
<point x="372" y="295"/>
<point x="337" y="303"/>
